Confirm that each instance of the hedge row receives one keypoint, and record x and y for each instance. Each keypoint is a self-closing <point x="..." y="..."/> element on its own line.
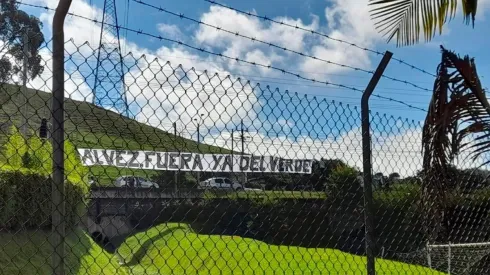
<point x="26" y="185"/>
<point x="25" y="201"/>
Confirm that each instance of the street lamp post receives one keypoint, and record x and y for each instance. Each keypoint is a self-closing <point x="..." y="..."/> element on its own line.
<point x="197" y="120"/>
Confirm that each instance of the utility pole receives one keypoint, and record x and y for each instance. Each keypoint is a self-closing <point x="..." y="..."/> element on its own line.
<point x="242" y="138"/>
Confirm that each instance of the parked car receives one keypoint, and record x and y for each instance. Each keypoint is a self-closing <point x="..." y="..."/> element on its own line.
<point x="220" y="183"/>
<point x="132" y="181"/>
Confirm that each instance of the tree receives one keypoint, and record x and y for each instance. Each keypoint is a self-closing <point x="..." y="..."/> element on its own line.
<point x="15" y="24"/>
<point x="394" y="176"/>
<point x="458" y="120"/>
<point x="406" y="19"/>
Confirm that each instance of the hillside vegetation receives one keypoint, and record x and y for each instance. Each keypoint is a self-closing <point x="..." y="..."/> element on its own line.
<point x="89" y="126"/>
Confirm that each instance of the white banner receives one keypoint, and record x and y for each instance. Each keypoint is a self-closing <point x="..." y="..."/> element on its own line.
<point x="194" y="161"/>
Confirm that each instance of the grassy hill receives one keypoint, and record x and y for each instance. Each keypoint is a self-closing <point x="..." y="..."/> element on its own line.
<point x="176" y="249"/>
<point x="89" y="126"/>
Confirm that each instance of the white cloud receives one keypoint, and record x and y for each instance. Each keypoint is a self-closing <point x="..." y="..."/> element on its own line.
<point x="235" y="46"/>
<point x="171" y="31"/>
<point x="348" y="20"/>
<point x="172" y="93"/>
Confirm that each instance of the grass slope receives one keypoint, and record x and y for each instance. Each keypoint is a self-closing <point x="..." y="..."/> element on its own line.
<point x="89" y="126"/>
<point x="29" y="252"/>
<point x="175" y="249"/>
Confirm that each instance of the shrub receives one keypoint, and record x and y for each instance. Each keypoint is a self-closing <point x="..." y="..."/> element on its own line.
<point x="15" y="148"/>
<point x="25" y="183"/>
<point x="25" y="200"/>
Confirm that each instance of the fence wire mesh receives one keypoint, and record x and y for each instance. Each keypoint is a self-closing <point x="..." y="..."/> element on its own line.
<point x="172" y="170"/>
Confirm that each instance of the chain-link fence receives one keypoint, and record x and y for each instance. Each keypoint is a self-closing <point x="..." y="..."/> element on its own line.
<point x="172" y="170"/>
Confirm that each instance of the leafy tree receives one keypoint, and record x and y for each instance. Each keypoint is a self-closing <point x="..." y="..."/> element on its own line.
<point x="394" y="176"/>
<point x="343" y="180"/>
<point x="15" y="24"/>
<point x="406" y="19"/>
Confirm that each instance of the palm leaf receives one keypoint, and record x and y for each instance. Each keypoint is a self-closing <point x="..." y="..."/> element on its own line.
<point x="405" y="19"/>
<point x="458" y="120"/>
<point x="458" y="111"/>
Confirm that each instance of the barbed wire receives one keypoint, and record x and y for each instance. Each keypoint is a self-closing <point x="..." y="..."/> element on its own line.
<point x="265" y="18"/>
<point x="203" y="50"/>
<point x="253" y="39"/>
<point x="297" y="82"/>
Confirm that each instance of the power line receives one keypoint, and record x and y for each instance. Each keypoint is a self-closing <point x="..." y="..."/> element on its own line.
<point x="203" y="50"/>
<point x="265" y="18"/>
<point x="253" y="39"/>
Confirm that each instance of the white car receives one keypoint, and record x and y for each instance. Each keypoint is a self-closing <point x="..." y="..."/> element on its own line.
<point x="220" y="183"/>
<point x="132" y="181"/>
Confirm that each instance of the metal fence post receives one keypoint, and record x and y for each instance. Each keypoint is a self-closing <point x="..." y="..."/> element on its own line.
<point x="367" y="167"/>
<point x="58" y="94"/>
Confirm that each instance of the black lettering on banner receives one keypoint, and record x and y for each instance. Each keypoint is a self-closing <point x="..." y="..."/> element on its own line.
<point x="119" y="158"/>
<point x="244" y="167"/>
<point x="197" y="162"/>
<point x="281" y="165"/>
<point x="132" y="162"/>
<point x="185" y="159"/>
<point x="289" y="165"/>
<point x="172" y="161"/>
<point x="148" y="159"/>
<point x="298" y="165"/>
<point x="274" y="163"/>
<point x="109" y="159"/>
<point x="159" y="160"/>
<point x="227" y="162"/>
<point x="217" y="161"/>
<point x="97" y="159"/>
<point x="87" y="154"/>
<point x="307" y="166"/>
<point x="254" y="163"/>
<point x="262" y="167"/>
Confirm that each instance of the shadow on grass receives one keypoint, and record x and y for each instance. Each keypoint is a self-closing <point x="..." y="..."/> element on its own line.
<point x="142" y="250"/>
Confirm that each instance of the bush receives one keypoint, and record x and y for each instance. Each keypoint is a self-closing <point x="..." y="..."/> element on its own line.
<point x="15" y="149"/>
<point x="25" y="183"/>
<point x="25" y="200"/>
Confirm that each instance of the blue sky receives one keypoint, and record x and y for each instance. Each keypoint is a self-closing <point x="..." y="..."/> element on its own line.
<point x="310" y="117"/>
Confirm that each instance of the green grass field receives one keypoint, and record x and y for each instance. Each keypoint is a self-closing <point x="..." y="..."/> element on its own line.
<point x="176" y="249"/>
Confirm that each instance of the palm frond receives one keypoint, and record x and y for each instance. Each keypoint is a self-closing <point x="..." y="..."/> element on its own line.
<point x="406" y="19"/>
<point x="458" y="118"/>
